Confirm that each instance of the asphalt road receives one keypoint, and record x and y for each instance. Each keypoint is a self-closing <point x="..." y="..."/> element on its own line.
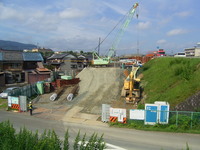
<point x="116" y="138"/>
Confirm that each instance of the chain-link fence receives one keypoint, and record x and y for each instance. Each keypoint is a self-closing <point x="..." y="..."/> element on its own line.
<point x="184" y="119"/>
<point x="175" y="119"/>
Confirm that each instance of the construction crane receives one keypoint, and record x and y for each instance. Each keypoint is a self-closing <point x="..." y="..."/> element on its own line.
<point x="97" y="60"/>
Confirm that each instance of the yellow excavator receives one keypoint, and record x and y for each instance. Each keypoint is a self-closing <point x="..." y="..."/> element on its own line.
<point x="131" y="87"/>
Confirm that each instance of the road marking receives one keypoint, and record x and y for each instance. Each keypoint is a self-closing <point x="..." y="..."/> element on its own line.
<point x="114" y="147"/>
<point x="111" y="147"/>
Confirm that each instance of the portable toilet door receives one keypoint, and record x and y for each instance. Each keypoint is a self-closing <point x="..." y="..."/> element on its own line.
<point x="164" y="114"/>
<point x="163" y="110"/>
<point x="151" y="114"/>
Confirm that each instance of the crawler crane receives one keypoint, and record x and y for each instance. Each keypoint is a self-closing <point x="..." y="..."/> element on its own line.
<point x="97" y="60"/>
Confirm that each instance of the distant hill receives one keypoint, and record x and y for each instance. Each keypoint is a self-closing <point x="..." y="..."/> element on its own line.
<point x="11" y="45"/>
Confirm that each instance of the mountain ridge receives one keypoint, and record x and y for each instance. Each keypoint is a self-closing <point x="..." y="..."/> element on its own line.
<point x="12" y="45"/>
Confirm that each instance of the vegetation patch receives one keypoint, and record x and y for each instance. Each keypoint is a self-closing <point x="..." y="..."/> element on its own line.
<point x="3" y="103"/>
<point x="182" y="123"/>
<point x="25" y="139"/>
<point x="170" y="79"/>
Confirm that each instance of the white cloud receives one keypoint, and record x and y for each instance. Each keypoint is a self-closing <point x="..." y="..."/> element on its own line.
<point x="71" y="13"/>
<point x="184" y="14"/>
<point x="9" y="13"/>
<point x="144" y="25"/>
<point x="162" y="41"/>
<point x="115" y="8"/>
<point x="176" y="32"/>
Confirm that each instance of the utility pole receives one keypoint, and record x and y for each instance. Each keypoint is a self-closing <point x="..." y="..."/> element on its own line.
<point x="99" y="45"/>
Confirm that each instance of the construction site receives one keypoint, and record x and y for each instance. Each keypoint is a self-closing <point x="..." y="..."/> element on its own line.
<point x="96" y="86"/>
<point x="103" y="82"/>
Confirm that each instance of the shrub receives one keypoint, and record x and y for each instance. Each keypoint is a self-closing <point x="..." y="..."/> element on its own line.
<point x="173" y="127"/>
<point x="48" y="140"/>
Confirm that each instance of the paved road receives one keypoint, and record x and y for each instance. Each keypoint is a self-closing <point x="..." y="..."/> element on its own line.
<point x="125" y="138"/>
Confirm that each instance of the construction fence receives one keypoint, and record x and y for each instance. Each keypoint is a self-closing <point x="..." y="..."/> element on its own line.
<point x="28" y="90"/>
<point x="183" y="119"/>
<point x="174" y="119"/>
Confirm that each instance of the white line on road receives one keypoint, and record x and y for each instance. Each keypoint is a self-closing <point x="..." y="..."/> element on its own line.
<point x="114" y="147"/>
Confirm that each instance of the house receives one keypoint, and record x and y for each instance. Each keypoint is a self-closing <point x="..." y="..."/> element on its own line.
<point x="82" y="61"/>
<point x="17" y="66"/>
<point x="12" y="66"/>
<point x="67" y="63"/>
<point x="33" y="67"/>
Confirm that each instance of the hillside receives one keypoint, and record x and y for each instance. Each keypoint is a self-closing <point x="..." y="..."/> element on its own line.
<point x="11" y="45"/>
<point x="175" y="80"/>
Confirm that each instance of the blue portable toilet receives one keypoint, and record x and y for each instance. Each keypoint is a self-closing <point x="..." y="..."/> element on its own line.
<point x="163" y="110"/>
<point x="157" y="113"/>
<point x="151" y="114"/>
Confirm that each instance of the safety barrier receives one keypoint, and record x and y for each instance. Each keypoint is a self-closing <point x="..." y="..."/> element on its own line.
<point x="113" y="119"/>
<point x="15" y="106"/>
<point x="124" y="121"/>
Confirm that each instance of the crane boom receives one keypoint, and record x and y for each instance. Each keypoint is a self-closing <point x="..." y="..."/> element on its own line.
<point x="105" y="61"/>
<point x="121" y="32"/>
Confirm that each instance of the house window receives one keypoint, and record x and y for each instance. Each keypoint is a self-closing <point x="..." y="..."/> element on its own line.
<point x="73" y="66"/>
<point x="16" y="66"/>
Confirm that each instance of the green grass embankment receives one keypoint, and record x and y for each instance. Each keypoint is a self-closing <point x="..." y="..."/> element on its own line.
<point x="170" y="79"/>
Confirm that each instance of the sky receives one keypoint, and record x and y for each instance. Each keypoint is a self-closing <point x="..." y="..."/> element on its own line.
<point x="61" y="25"/>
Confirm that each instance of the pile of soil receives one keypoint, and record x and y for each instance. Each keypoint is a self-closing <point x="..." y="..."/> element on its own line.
<point x="98" y="86"/>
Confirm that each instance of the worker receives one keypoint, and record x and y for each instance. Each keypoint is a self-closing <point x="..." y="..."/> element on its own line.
<point x="30" y="108"/>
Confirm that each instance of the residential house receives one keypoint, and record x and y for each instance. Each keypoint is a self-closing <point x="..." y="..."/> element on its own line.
<point x="33" y="67"/>
<point x="68" y="63"/>
<point x="12" y="66"/>
<point x="17" y="65"/>
<point x="82" y="62"/>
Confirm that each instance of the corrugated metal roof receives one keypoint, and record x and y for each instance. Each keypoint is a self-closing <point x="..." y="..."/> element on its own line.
<point x="12" y="56"/>
<point x="1" y="57"/>
<point x="57" y="56"/>
<point x="61" y="56"/>
<point x="28" y="56"/>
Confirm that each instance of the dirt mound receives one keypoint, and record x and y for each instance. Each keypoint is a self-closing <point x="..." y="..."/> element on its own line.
<point x="98" y="86"/>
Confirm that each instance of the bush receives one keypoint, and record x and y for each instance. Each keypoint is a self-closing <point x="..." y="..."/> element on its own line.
<point x="47" y="141"/>
<point x="173" y="127"/>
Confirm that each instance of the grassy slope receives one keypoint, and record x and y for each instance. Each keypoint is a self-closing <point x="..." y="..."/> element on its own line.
<point x="171" y="79"/>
